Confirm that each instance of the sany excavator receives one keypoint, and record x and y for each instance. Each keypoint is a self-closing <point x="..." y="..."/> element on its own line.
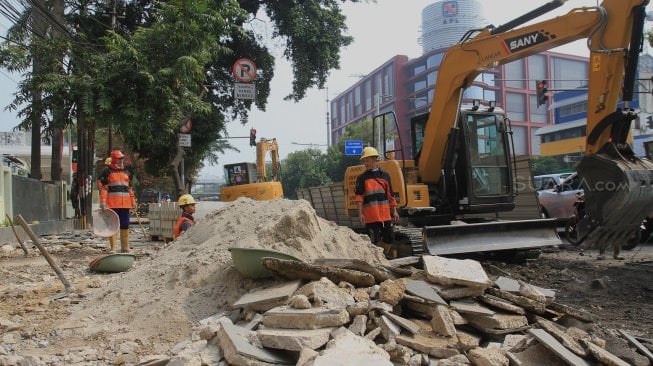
<point x="250" y="180"/>
<point x="462" y="166"/>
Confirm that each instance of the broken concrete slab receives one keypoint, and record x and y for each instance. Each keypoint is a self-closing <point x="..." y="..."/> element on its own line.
<point x="425" y="291"/>
<point x="391" y="291"/>
<point x="404" y="323"/>
<point x="602" y="355"/>
<point x="513" y="286"/>
<point x="267" y="298"/>
<point x="326" y="291"/>
<point x="502" y="304"/>
<point x="313" y="318"/>
<point x="448" y="271"/>
<point x="556" y="347"/>
<point x="358" y="325"/>
<point x="441" y="321"/>
<point x="294" y="339"/>
<point x="470" y="307"/>
<point x="389" y="329"/>
<point x="500" y="321"/>
<point x="347" y="348"/>
<point x="467" y="341"/>
<point x="233" y="341"/>
<point x="458" y="292"/>
<point x="487" y="357"/>
<point x="566" y="340"/>
<point x="578" y="313"/>
<point x="637" y="344"/>
<point x="439" y="347"/>
<point x="300" y="270"/>
<point x="379" y="274"/>
<point x="535" y="355"/>
<point x="528" y="304"/>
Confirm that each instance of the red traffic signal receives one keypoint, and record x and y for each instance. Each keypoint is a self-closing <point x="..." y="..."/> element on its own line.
<point x="541" y="90"/>
<point x="252" y="137"/>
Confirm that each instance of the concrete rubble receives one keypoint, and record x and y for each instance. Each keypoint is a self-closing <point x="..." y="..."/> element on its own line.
<point x="399" y="321"/>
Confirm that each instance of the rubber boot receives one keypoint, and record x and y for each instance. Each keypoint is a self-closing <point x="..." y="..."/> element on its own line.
<point x="615" y="254"/>
<point x="601" y="254"/>
<point x="124" y="240"/>
<point x="112" y="243"/>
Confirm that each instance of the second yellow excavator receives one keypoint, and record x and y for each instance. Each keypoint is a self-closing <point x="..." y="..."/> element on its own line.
<point x="250" y="180"/>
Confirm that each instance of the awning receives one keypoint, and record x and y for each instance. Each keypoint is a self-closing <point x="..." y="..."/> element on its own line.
<point x="561" y="127"/>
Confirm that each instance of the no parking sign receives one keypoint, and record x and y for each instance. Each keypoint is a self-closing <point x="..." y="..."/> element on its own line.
<point x="244" y="70"/>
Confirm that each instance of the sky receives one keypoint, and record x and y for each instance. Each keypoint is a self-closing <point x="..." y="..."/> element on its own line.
<point x="381" y="30"/>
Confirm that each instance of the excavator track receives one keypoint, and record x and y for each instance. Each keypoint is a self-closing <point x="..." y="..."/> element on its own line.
<point x="412" y="237"/>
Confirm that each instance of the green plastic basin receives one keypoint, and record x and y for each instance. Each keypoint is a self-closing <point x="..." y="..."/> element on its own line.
<point x="112" y="263"/>
<point x="248" y="261"/>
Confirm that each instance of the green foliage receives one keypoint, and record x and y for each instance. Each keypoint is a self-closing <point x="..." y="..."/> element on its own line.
<point x="336" y="161"/>
<point x="303" y="169"/>
<point x="547" y="165"/>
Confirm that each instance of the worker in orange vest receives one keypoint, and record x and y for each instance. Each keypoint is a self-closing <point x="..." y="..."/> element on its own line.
<point x="116" y="193"/>
<point x="186" y="220"/>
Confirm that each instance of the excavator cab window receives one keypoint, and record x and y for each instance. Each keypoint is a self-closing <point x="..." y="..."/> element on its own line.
<point x="488" y="156"/>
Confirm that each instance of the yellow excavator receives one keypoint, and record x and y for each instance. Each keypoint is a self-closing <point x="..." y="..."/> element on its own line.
<point x="462" y="164"/>
<point x="250" y="180"/>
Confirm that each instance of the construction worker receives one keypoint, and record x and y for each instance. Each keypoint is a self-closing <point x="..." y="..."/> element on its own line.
<point x="187" y="204"/>
<point x="377" y="207"/>
<point x="116" y="193"/>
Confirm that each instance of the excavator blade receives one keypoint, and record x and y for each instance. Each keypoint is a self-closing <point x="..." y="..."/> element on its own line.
<point x="618" y="196"/>
<point x="491" y="236"/>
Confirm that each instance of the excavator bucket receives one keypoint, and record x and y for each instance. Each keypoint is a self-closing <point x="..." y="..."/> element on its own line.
<point x="491" y="236"/>
<point x="618" y="196"/>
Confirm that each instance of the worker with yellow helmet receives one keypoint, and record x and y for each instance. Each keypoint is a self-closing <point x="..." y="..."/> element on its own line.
<point x="377" y="207"/>
<point x="186" y="220"/>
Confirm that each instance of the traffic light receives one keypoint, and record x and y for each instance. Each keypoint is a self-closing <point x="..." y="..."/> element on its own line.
<point x="252" y="137"/>
<point x="541" y="89"/>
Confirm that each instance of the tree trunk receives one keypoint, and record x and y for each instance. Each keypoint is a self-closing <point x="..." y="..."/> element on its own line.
<point x="58" y="121"/>
<point x="38" y="21"/>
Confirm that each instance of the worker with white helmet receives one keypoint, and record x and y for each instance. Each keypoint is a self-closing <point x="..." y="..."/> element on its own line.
<point x="377" y="207"/>
<point x="186" y="220"/>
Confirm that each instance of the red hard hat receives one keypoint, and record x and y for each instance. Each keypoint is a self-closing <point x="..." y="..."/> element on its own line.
<point x="116" y="155"/>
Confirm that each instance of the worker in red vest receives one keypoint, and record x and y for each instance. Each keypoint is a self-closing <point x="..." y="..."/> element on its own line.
<point x="116" y="193"/>
<point x="186" y="220"/>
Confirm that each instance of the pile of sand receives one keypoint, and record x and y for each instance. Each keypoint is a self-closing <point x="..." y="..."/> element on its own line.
<point x="158" y="301"/>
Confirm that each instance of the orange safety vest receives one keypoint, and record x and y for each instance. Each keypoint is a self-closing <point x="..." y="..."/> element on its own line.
<point x="115" y="189"/>
<point x="374" y="190"/>
<point x="177" y="229"/>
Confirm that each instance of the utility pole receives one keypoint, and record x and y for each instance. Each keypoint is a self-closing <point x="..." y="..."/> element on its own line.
<point x="113" y="28"/>
<point x="328" y="121"/>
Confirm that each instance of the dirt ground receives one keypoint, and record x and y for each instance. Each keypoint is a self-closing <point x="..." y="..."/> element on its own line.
<point x="618" y="294"/>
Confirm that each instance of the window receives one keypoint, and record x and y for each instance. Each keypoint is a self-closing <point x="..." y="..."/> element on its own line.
<point x="420" y="85"/>
<point x="473" y="92"/>
<point x="368" y="95"/>
<point x="568" y="74"/>
<point x="357" y="101"/>
<point x="516" y="106"/>
<point x="514" y="74"/>
<point x="434" y="60"/>
<point x="538" y="114"/>
<point x="488" y="78"/>
<point x="573" y="109"/>
<point x="431" y="78"/>
<point x="489" y="95"/>
<point x="418" y="69"/>
<point x="536" y="70"/>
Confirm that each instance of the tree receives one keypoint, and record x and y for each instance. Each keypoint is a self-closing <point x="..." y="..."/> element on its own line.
<point x="336" y="160"/>
<point x="301" y="169"/>
<point x="546" y="165"/>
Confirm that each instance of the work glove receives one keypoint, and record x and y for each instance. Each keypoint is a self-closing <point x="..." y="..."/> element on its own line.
<point x="103" y="206"/>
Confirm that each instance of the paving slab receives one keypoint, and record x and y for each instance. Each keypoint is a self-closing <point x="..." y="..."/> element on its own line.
<point x="435" y="346"/>
<point x="313" y="318"/>
<point x="470" y="307"/>
<point x="347" y="348"/>
<point x="267" y="298"/>
<point x="502" y="304"/>
<point x="294" y="339"/>
<point x="404" y="323"/>
<point x="535" y="355"/>
<point x="497" y="321"/>
<point x="512" y="285"/>
<point x="379" y="273"/>
<point x="237" y="350"/>
<point x="448" y="271"/>
<point x="602" y="355"/>
<point x="528" y="304"/>
<point x="298" y="270"/>
<point x="556" y="347"/>
<point x="425" y="291"/>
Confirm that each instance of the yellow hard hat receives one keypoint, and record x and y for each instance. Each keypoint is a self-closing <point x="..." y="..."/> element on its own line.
<point x="369" y="151"/>
<point x="107" y="161"/>
<point x="186" y="199"/>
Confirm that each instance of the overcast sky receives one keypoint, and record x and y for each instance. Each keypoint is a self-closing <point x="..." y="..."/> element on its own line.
<point x="380" y="30"/>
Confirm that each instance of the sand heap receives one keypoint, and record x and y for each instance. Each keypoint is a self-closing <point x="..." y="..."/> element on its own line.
<point x="158" y="301"/>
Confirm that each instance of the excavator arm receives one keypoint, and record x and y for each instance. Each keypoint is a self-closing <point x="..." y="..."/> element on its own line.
<point x="263" y="147"/>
